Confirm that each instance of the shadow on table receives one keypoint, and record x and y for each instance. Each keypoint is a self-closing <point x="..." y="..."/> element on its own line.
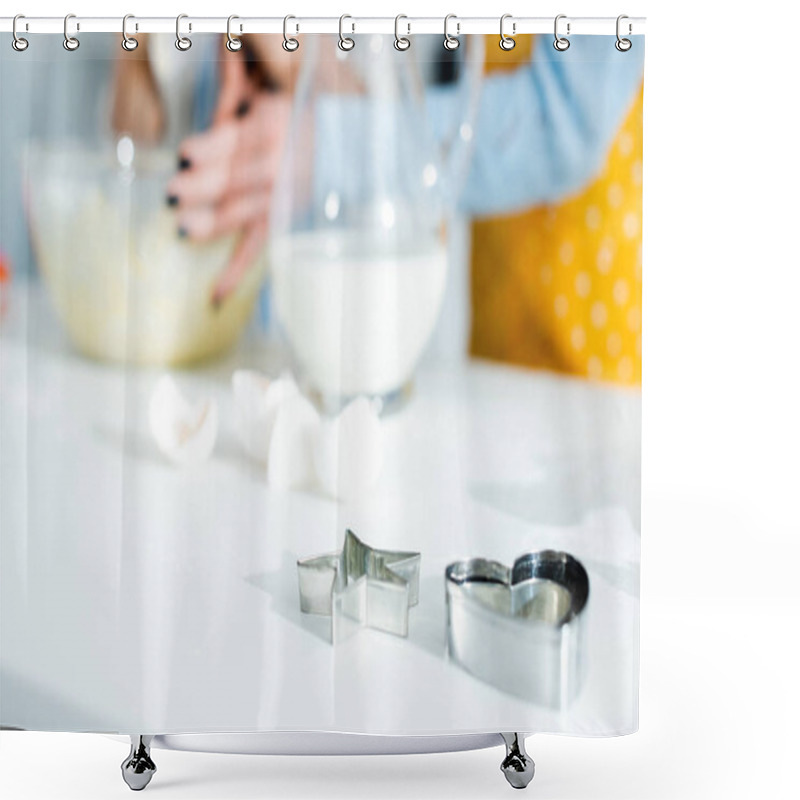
<point x="426" y="620"/>
<point x="286" y="599"/>
<point x="570" y="488"/>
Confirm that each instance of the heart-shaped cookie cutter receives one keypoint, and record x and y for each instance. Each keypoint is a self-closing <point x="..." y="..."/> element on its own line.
<point x="521" y="629"/>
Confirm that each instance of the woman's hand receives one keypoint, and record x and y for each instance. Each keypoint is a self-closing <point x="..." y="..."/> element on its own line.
<point x="227" y="173"/>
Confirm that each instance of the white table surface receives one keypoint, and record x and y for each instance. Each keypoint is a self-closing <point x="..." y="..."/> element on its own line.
<point x="140" y="597"/>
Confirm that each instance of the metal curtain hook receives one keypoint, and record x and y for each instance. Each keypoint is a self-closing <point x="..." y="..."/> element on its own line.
<point x="623" y="45"/>
<point x="70" y="42"/>
<point x="289" y="44"/>
<point x="507" y="42"/>
<point x="401" y="42"/>
<point x="345" y="42"/>
<point x="234" y="43"/>
<point x="561" y="43"/>
<point x="451" y="42"/>
<point x="129" y="43"/>
<point x="18" y="43"/>
<point x="183" y="43"/>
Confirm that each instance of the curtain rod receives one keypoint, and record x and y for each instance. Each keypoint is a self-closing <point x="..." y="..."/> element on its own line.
<point x="408" y="25"/>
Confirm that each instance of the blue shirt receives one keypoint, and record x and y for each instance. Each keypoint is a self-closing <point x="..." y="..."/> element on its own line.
<point x="542" y="132"/>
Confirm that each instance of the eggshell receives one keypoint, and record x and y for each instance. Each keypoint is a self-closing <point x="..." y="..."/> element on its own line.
<point x="290" y="464"/>
<point x="349" y="451"/>
<point x="184" y="432"/>
<point x="256" y="400"/>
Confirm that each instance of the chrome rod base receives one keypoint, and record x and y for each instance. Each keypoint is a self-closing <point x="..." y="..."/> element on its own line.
<point x="138" y="768"/>
<point x="517" y="766"/>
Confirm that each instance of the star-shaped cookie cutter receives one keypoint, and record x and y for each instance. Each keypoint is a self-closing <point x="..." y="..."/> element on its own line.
<point x="360" y="586"/>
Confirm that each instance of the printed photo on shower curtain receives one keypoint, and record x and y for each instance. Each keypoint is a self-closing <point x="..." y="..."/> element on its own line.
<point x="320" y="385"/>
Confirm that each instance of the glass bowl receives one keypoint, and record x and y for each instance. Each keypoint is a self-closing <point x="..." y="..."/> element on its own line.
<point x="124" y="283"/>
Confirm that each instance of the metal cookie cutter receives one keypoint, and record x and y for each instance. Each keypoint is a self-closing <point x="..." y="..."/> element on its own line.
<point x="521" y="629"/>
<point x="360" y="586"/>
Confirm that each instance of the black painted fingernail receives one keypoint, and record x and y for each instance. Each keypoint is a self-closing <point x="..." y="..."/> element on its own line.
<point x="184" y="163"/>
<point x="172" y="200"/>
<point x="243" y="108"/>
<point x="216" y="301"/>
<point x="182" y="232"/>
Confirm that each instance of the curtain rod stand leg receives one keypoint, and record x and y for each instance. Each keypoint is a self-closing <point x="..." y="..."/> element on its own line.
<point x="517" y="766"/>
<point x="138" y="768"/>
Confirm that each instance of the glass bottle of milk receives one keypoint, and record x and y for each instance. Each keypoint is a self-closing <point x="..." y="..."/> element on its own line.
<point x="357" y="246"/>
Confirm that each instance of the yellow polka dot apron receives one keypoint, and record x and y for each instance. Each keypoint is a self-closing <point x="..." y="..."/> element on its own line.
<point x="559" y="286"/>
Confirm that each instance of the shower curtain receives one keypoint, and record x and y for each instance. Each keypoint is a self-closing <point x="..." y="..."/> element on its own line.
<point x="320" y="365"/>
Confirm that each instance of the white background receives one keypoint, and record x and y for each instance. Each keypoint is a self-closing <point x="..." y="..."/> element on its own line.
<point x="720" y="600"/>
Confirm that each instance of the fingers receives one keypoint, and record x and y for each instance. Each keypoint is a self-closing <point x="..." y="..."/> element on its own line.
<point x="233" y="214"/>
<point x="247" y="251"/>
<point x="258" y="130"/>
<point x="229" y="171"/>
<point x="214" y="182"/>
